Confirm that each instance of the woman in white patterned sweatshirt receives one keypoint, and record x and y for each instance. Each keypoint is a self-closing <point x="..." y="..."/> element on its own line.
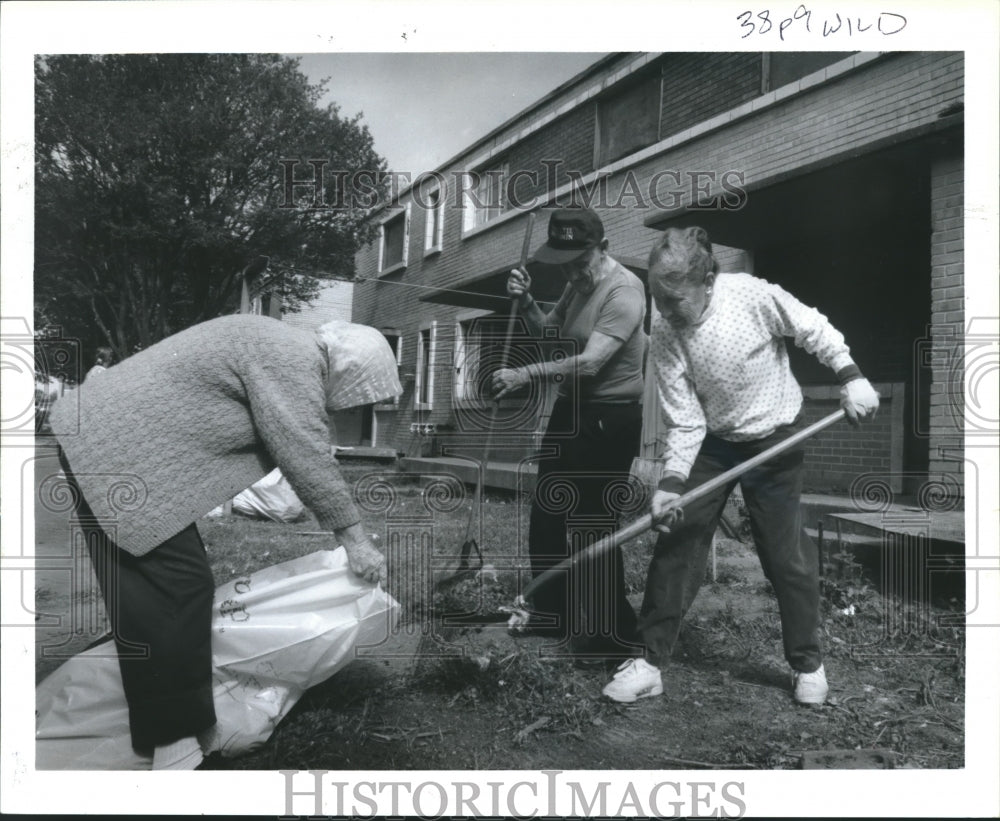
<point x="727" y="393"/>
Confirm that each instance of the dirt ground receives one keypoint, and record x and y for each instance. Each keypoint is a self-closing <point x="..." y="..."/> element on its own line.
<point x="446" y="697"/>
<point x="509" y="702"/>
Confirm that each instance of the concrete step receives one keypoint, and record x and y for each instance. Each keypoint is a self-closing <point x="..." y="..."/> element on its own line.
<point x="509" y="476"/>
<point x="850" y="541"/>
<point x="815" y="507"/>
<point x="362" y="452"/>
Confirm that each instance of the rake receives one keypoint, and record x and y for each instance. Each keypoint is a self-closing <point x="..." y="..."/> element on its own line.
<point x="519" y="615"/>
<point x="470" y="545"/>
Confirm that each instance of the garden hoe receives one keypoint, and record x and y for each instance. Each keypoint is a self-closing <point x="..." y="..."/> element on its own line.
<point x="519" y="616"/>
<point x="470" y="545"/>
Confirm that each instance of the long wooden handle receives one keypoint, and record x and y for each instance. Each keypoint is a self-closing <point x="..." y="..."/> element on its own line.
<point x="644" y="523"/>
<point x="525" y="253"/>
<point x="505" y="351"/>
<point x="526" y="245"/>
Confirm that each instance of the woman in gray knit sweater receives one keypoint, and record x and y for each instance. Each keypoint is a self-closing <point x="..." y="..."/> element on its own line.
<point x="170" y="433"/>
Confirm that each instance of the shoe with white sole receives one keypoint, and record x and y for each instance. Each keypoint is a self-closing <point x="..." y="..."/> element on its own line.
<point x="810" y="688"/>
<point x="635" y="679"/>
<point x="183" y="754"/>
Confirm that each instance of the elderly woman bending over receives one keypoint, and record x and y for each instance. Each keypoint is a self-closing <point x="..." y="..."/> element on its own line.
<point x="185" y="425"/>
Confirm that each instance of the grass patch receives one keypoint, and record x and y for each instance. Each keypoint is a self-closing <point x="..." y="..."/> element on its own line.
<point x="489" y="702"/>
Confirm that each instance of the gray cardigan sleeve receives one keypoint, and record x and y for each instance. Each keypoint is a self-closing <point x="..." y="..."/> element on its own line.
<point x="288" y="405"/>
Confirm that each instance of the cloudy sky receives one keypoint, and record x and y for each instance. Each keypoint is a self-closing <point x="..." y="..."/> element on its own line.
<point x="422" y="109"/>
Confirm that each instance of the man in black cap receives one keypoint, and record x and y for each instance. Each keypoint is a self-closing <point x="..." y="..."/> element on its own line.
<point x="594" y="430"/>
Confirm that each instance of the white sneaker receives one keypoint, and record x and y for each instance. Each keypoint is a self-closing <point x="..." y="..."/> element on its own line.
<point x="810" y="688"/>
<point x="183" y="754"/>
<point x="635" y="679"/>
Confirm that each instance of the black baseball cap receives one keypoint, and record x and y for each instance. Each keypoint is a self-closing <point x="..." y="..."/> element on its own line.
<point x="572" y="232"/>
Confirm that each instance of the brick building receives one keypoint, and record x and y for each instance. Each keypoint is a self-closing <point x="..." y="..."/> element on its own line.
<point x="836" y="175"/>
<point x="334" y="302"/>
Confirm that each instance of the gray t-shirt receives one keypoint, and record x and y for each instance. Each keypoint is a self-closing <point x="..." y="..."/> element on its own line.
<point x="616" y="308"/>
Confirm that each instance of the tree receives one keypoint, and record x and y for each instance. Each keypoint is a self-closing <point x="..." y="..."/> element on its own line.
<point x="160" y="177"/>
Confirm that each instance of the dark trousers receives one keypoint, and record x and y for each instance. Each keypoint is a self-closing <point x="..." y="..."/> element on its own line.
<point x="160" y="609"/>
<point x="578" y="498"/>
<point x="789" y="558"/>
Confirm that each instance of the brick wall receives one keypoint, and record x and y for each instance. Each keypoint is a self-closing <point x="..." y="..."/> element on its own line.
<point x="391" y="303"/>
<point x="697" y="87"/>
<point x="807" y="121"/>
<point x="837" y="456"/>
<point x="946" y="426"/>
<point x="881" y="100"/>
<point x="569" y="141"/>
<point x="840" y="455"/>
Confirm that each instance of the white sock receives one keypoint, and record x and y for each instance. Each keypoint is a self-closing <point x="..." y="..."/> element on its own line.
<point x="183" y="754"/>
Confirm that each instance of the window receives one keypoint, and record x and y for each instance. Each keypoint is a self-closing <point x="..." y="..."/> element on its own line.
<point x="485" y="198"/>
<point x="628" y="120"/>
<point x="479" y="347"/>
<point x="394" y="235"/>
<point x="434" y="221"/>
<point x="395" y="340"/>
<point x="470" y="352"/>
<point x="424" y="395"/>
<point x="784" y="67"/>
<point x="265" y="304"/>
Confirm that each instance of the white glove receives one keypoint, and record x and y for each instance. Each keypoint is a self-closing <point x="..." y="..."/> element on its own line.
<point x="859" y="400"/>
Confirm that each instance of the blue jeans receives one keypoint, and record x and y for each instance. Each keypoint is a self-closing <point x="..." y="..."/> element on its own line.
<point x="789" y="558"/>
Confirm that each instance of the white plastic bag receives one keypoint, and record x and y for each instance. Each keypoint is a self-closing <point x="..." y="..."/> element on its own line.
<point x="275" y="633"/>
<point x="270" y="498"/>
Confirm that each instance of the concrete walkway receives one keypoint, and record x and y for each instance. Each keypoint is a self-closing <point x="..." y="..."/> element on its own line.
<point x="68" y="607"/>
